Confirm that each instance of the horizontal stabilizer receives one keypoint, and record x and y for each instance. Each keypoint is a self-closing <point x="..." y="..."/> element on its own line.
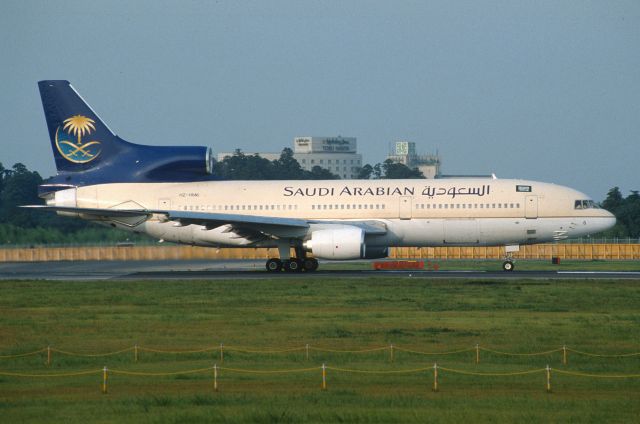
<point x="106" y="213"/>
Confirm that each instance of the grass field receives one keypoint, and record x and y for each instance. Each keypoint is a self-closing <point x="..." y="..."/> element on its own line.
<point x="350" y="314"/>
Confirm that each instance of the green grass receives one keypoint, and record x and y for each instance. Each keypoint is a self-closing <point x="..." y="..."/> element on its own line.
<point x="415" y="313"/>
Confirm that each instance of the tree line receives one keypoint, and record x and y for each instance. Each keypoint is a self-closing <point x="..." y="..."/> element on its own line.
<point x="627" y="212"/>
<point x="254" y="167"/>
<point x="19" y="186"/>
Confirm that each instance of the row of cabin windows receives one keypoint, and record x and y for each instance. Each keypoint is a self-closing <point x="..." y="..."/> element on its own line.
<point x="241" y="208"/>
<point x="346" y="206"/>
<point x="349" y="207"/>
<point x="468" y="206"/>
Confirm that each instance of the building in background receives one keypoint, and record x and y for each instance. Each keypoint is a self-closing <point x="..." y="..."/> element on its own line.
<point x="404" y="152"/>
<point x="336" y="154"/>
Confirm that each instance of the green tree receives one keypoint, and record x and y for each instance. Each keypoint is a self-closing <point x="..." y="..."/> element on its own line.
<point x="2" y="171"/>
<point x="242" y="167"/>
<point x="20" y="187"/>
<point x="365" y="172"/>
<point x="287" y="167"/>
<point x="396" y="171"/>
<point x="254" y="167"/>
<point x="627" y="212"/>
<point x="318" y="173"/>
<point x="614" y="200"/>
<point x="388" y="170"/>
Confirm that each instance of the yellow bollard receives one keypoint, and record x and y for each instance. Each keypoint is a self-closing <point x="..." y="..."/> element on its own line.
<point x="548" y="379"/>
<point x="307" y="349"/>
<point x="221" y="352"/>
<point x="324" y="377"/>
<point x="135" y="353"/>
<point x="105" y="374"/>
<point x="48" y="355"/>
<point x="215" y="377"/>
<point x="435" y="377"/>
<point x="391" y="352"/>
<point x="477" y="353"/>
<point x="564" y="355"/>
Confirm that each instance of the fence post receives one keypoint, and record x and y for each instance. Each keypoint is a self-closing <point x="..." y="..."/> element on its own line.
<point x="324" y="377"/>
<point x="105" y="375"/>
<point x="391" y="352"/>
<point x="435" y="377"/>
<point x="221" y="352"/>
<point x="548" y="379"/>
<point x="307" y="349"/>
<point x="215" y="377"/>
<point x="48" y="355"/>
<point x="564" y="355"/>
<point x="477" y="353"/>
<point x="135" y="352"/>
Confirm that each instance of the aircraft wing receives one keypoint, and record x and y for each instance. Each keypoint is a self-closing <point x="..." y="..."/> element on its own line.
<point x="248" y="225"/>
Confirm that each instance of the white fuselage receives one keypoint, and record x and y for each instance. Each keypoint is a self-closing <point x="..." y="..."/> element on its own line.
<point x="463" y="212"/>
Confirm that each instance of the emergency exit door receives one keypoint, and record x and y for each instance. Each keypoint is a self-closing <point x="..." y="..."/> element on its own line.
<point x="531" y="207"/>
<point x="405" y="207"/>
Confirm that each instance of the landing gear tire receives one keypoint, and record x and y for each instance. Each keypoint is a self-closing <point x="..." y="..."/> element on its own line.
<point x="310" y="264"/>
<point x="292" y="265"/>
<point x="274" y="265"/>
<point x="507" y="266"/>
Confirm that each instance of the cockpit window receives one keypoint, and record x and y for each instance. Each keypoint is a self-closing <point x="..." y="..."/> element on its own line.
<point x="585" y="204"/>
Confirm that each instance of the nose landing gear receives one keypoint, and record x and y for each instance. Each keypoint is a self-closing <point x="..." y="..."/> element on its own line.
<point x="508" y="265"/>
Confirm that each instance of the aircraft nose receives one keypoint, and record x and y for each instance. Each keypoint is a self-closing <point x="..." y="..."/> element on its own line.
<point x="604" y="222"/>
<point x="609" y="221"/>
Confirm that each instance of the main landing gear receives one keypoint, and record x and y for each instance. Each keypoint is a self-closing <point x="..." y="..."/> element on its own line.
<point x="288" y="264"/>
<point x="292" y="265"/>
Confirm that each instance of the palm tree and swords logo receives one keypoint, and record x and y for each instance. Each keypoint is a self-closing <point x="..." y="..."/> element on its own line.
<point x="77" y="151"/>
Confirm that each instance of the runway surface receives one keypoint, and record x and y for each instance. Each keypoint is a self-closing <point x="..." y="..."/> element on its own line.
<point x="252" y="269"/>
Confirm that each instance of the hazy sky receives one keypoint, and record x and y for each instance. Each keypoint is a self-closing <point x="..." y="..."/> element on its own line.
<point x="545" y="90"/>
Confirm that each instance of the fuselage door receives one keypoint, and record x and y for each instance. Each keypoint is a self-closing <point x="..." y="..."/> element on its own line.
<point x="531" y="207"/>
<point x="405" y="207"/>
<point x="164" y="204"/>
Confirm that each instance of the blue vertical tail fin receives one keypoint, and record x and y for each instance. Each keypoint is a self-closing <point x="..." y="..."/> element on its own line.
<point x="79" y="138"/>
<point x="87" y="152"/>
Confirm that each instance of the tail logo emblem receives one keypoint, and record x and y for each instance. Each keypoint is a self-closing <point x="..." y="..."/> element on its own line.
<point x="69" y="140"/>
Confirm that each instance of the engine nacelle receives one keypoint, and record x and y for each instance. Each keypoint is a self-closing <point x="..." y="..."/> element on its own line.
<point x="343" y="243"/>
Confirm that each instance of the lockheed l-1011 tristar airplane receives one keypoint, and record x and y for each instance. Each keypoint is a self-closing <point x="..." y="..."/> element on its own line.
<point x="170" y="194"/>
